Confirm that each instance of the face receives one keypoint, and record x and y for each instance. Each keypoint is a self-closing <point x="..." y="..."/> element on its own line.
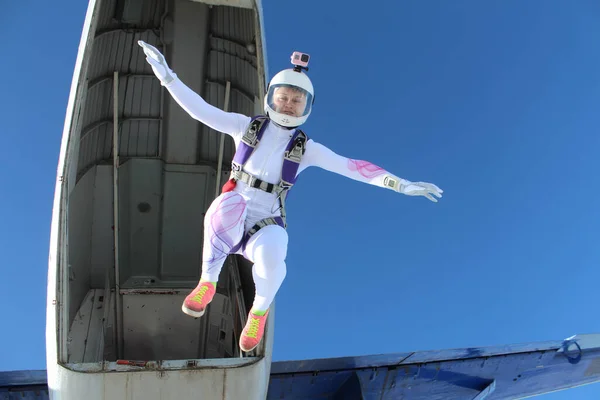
<point x="289" y="101"/>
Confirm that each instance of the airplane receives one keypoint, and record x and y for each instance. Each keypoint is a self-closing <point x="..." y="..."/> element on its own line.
<point x="134" y="179"/>
<point x="491" y="373"/>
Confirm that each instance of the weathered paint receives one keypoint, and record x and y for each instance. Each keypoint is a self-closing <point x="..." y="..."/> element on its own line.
<point x="492" y="373"/>
<point x="231" y="378"/>
<point x="503" y="372"/>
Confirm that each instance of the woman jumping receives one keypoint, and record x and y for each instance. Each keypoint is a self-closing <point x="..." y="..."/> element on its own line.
<point x="248" y="218"/>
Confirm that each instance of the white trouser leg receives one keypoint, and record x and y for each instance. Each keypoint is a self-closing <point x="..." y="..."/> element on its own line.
<point x="267" y="249"/>
<point x="223" y="229"/>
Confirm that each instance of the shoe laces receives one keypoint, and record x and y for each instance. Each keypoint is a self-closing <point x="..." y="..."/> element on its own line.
<point x="198" y="297"/>
<point x="253" y="328"/>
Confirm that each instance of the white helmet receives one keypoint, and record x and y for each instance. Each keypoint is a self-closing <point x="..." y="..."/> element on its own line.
<point x="289" y="98"/>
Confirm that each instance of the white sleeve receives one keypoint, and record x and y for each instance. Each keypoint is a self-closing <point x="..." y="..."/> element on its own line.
<point x="363" y="171"/>
<point x="230" y="123"/>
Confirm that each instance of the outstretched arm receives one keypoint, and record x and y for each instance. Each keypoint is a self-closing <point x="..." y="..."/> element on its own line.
<point x="320" y="156"/>
<point x="230" y="123"/>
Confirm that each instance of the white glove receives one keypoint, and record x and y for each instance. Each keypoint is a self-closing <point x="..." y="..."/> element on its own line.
<point x="420" y="189"/>
<point x="412" y="188"/>
<point x="158" y="63"/>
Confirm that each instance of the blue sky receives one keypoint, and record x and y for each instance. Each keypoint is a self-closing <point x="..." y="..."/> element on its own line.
<point x="495" y="102"/>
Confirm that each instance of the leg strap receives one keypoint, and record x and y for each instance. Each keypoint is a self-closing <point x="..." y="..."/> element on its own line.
<point x="260" y="224"/>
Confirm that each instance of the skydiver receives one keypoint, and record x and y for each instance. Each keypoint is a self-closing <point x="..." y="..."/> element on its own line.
<point x="248" y="217"/>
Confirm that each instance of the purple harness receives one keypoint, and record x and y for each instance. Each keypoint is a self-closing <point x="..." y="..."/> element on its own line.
<point x="291" y="162"/>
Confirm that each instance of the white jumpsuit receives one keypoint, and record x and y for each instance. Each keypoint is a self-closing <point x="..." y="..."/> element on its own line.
<point x="233" y="213"/>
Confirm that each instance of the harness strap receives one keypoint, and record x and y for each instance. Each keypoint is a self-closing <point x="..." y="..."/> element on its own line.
<point x="292" y="158"/>
<point x="265" y="222"/>
<point x="249" y="141"/>
<point x="256" y="183"/>
<point x="260" y="224"/>
<point x="291" y="162"/>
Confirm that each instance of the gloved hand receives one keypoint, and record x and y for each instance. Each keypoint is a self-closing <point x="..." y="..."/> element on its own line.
<point x="420" y="189"/>
<point x="158" y="63"/>
<point x="412" y="188"/>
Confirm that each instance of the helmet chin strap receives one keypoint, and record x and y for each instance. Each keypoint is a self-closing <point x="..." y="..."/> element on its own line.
<point x="281" y="126"/>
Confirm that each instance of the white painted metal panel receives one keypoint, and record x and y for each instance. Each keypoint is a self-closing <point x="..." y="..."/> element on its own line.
<point x="183" y="220"/>
<point x="57" y="306"/>
<point x="86" y="336"/>
<point x="140" y="213"/>
<point x="81" y="207"/>
<point x="220" y="379"/>
<point x="207" y="384"/>
<point x="108" y="45"/>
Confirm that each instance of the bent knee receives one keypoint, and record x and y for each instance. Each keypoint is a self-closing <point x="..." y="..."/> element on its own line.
<point x="269" y="246"/>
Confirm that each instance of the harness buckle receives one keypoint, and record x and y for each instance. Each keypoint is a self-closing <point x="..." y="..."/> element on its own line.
<point x="295" y="154"/>
<point x="250" y="136"/>
<point x="235" y="167"/>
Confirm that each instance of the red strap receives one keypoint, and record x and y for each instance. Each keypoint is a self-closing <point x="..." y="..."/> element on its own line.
<point x="229" y="186"/>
